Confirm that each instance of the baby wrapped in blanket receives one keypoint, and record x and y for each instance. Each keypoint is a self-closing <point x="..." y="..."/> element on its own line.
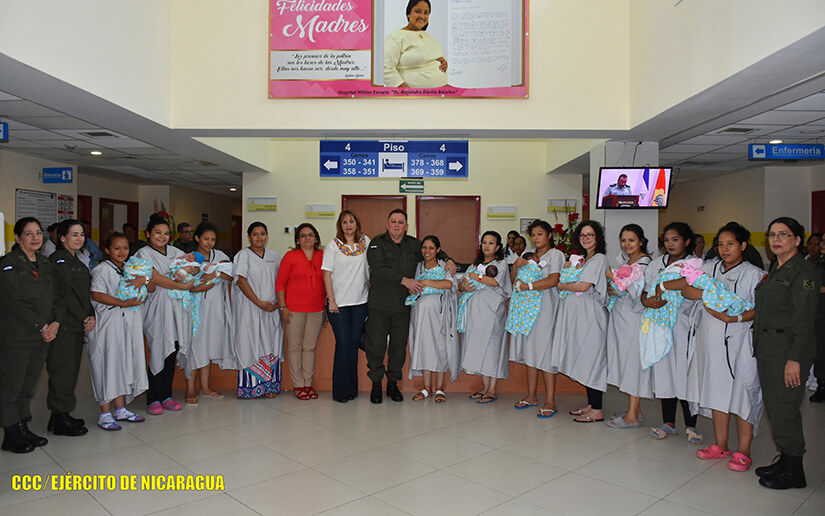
<point x="656" y="330"/>
<point x="133" y="268"/>
<point x="715" y="295"/>
<point x="482" y="270"/>
<point x="571" y="274"/>
<point x="623" y="278"/>
<point x="525" y="304"/>
<point x="436" y="273"/>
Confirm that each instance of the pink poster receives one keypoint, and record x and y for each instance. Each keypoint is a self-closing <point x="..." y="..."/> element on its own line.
<point x="398" y="48"/>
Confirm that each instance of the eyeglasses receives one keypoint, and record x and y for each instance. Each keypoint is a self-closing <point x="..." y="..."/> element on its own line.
<point x="30" y="234"/>
<point x="780" y="234"/>
<point x="587" y="235"/>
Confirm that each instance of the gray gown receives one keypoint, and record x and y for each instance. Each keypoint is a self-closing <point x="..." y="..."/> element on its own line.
<point x="535" y="349"/>
<point x="722" y="375"/>
<point x="669" y="375"/>
<point x="256" y="333"/>
<point x="212" y="342"/>
<point x="433" y="334"/>
<point x="624" y="365"/>
<point x="116" y="354"/>
<point x="579" y="345"/>
<point x="165" y="321"/>
<point x="484" y="344"/>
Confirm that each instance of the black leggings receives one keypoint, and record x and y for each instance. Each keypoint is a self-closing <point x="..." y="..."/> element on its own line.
<point x="669" y="412"/>
<point x="594" y="398"/>
<point x="160" y="385"/>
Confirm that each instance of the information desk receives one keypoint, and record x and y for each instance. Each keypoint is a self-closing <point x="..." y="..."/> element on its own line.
<point x="517" y="383"/>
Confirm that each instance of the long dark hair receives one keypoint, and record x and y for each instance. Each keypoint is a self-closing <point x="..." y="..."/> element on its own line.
<point x="63" y="230"/>
<point x="639" y="232"/>
<point x="538" y="223"/>
<point x="499" y="252"/>
<point x="413" y="3"/>
<point x="796" y="228"/>
<point x="684" y="231"/>
<point x="601" y="245"/>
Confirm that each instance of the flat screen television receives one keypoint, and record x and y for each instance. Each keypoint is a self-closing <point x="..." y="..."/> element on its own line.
<point x="626" y="187"/>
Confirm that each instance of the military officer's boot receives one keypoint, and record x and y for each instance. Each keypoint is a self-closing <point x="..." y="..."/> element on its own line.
<point x="34" y="439"/>
<point x="14" y="441"/>
<point x="789" y="475"/>
<point x="393" y="392"/>
<point x="771" y="469"/>
<point x="376" y="396"/>
<point x="64" y="424"/>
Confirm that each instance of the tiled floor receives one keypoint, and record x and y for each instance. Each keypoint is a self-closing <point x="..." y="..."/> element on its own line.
<point x="286" y="456"/>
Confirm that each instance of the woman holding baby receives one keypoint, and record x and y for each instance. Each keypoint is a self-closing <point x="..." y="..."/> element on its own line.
<point x="484" y="344"/>
<point x="533" y="349"/>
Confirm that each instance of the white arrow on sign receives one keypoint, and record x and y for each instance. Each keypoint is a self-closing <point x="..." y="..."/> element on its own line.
<point x="329" y="165"/>
<point x="455" y="165"/>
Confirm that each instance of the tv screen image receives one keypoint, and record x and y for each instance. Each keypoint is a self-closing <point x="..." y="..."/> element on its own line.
<point x="634" y="187"/>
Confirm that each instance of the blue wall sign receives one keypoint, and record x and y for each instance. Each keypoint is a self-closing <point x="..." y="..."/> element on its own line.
<point x="57" y="175"/>
<point x="393" y="158"/>
<point x="758" y="151"/>
<point x="4" y="132"/>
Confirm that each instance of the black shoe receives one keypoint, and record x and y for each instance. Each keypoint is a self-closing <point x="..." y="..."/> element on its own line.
<point x="375" y="394"/>
<point x="393" y="392"/>
<point x="64" y="424"/>
<point x="818" y="396"/>
<point x="351" y="397"/>
<point x="76" y="421"/>
<point x="341" y="399"/>
<point x="790" y="474"/>
<point x="14" y="442"/>
<point x="34" y="439"/>
<point x="771" y="469"/>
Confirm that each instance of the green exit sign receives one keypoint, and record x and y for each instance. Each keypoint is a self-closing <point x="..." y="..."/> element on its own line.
<point x="411" y="186"/>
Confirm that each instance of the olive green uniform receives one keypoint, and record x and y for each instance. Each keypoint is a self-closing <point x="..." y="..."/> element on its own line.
<point x="190" y="247"/>
<point x="390" y="262"/>
<point x="28" y="302"/>
<point x="134" y="246"/>
<point x="786" y="304"/>
<point x="65" y="351"/>
<point x="819" y="361"/>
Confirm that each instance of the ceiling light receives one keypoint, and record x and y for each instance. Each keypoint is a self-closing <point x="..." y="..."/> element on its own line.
<point x="775" y="142"/>
<point x="96" y="153"/>
<point x="233" y="189"/>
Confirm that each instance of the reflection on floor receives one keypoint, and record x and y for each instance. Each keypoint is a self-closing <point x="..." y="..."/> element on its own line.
<point x="286" y="456"/>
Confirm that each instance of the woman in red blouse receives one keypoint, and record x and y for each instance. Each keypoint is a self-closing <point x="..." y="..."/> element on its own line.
<point x="301" y="293"/>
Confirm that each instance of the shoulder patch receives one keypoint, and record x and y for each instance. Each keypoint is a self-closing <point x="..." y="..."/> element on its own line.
<point x="373" y="246"/>
<point x="808" y="284"/>
<point x="60" y="261"/>
<point x="7" y="268"/>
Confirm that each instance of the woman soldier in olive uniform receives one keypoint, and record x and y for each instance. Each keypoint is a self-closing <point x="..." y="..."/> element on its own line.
<point x="65" y="351"/>
<point x="784" y="346"/>
<point x="30" y="315"/>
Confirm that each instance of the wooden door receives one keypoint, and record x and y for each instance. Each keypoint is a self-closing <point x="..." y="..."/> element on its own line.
<point x="818" y="211"/>
<point x="237" y="234"/>
<point x="112" y="214"/>
<point x="454" y="219"/>
<point x="373" y="210"/>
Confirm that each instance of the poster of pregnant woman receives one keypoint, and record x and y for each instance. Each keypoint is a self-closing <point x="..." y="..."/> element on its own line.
<point x="398" y="48"/>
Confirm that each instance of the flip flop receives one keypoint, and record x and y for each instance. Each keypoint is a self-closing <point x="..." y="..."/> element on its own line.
<point x="587" y="419"/>
<point x="521" y="405"/>
<point x="476" y="396"/>
<point x="546" y="413"/>
<point x="693" y="436"/>
<point x="421" y="395"/>
<point x="663" y="432"/>
<point x="579" y="411"/>
<point x="190" y="402"/>
<point x="486" y="399"/>
<point x="440" y="397"/>
<point x="623" y="414"/>
<point x="214" y="395"/>
<point x="618" y="422"/>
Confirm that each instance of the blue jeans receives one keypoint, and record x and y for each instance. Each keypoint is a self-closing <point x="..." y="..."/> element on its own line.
<point x="347" y="325"/>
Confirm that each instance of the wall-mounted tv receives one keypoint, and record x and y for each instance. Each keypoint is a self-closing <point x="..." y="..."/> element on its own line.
<point x="621" y="187"/>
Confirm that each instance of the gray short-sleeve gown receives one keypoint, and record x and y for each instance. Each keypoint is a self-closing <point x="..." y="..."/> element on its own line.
<point x="484" y="343"/>
<point x="624" y="364"/>
<point x="165" y="321"/>
<point x="256" y="333"/>
<point x="116" y="354"/>
<point x="722" y="375"/>
<point x="579" y="348"/>
<point x="433" y="333"/>
<point x="535" y="349"/>
<point x="212" y="342"/>
<point x="668" y="376"/>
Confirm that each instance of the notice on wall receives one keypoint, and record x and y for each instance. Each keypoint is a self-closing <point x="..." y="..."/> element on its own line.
<point x="65" y="207"/>
<point x="319" y="211"/>
<point x="501" y="213"/>
<point x="40" y="205"/>
<point x="262" y="204"/>
<point x="361" y="48"/>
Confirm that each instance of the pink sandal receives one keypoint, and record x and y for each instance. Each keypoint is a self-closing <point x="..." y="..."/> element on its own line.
<point x="739" y="462"/>
<point x="155" y="408"/>
<point x="170" y="404"/>
<point x="712" y="452"/>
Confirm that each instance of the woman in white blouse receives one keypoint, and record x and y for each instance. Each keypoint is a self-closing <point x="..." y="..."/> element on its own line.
<point x="413" y="58"/>
<point x="346" y="277"/>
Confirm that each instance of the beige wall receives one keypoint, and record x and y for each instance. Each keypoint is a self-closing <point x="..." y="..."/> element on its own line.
<point x="20" y="171"/>
<point x="788" y="194"/>
<point x="679" y="51"/>
<point x="188" y="205"/>
<point x="501" y="172"/>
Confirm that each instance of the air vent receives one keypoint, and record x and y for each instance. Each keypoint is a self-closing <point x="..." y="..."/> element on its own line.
<point x="100" y="134"/>
<point x="736" y="130"/>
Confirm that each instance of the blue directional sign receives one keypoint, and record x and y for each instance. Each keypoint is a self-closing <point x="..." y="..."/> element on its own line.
<point x="393" y="158"/>
<point x="57" y="175"/>
<point x="4" y="132"/>
<point x="759" y="151"/>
